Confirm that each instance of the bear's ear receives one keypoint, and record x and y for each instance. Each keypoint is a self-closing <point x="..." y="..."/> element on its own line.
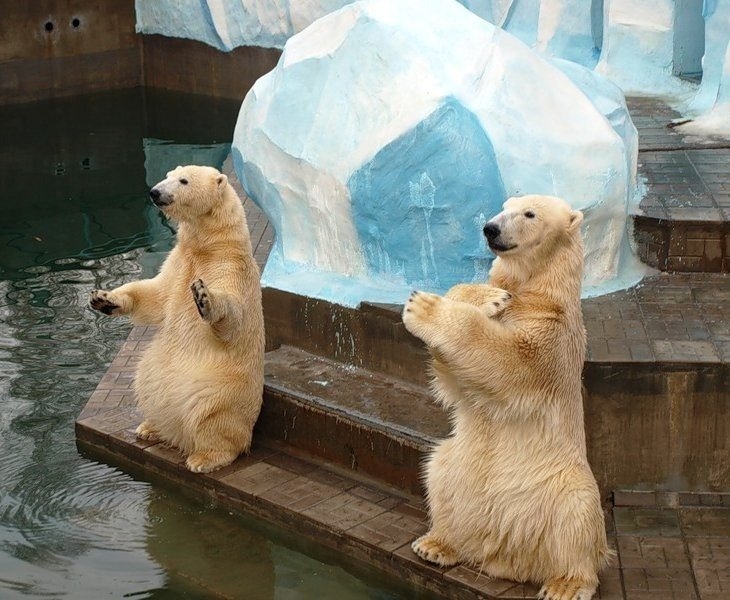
<point x="221" y="180"/>
<point x="576" y="218"/>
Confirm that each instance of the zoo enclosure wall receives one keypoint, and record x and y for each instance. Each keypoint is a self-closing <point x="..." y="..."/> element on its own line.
<point x="62" y="48"/>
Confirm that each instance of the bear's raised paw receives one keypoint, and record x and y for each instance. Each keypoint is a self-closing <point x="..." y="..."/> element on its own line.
<point x="498" y="302"/>
<point x="202" y="298"/>
<point x="104" y="302"/>
<point x="420" y="309"/>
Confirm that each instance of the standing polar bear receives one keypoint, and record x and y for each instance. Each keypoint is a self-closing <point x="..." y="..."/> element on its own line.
<point x="199" y="384"/>
<point x="511" y="492"/>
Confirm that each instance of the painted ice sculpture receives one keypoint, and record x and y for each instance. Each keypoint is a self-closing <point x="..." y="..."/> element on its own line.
<point x="562" y="28"/>
<point x="710" y="108"/>
<point x="390" y="131"/>
<point x="227" y="24"/>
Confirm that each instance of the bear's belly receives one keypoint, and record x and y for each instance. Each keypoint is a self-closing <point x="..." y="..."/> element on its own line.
<point x="180" y="372"/>
<point x="493" y="495"/>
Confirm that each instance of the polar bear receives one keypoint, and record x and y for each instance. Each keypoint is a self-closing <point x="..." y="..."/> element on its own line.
<point x="511" y="491"/>
<point x="199" y="384"/>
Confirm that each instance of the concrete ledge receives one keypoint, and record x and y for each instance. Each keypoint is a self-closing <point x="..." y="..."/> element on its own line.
<point x="367" y="523"/>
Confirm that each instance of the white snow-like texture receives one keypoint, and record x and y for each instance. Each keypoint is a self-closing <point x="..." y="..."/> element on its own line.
<point x="228" y="24"/>
<point x="710" y="108"/>
<point x="638" y="48"/>
<point x="388" y="134"/>
<point x="562" y="28"/>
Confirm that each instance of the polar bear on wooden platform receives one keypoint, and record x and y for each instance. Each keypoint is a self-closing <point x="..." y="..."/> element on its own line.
<point x="199" y="384"/>
<point x="511" y="492"/>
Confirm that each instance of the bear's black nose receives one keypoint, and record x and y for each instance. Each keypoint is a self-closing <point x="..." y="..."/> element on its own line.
<point x="158" y="199"/>
<point x="491" y="231"/>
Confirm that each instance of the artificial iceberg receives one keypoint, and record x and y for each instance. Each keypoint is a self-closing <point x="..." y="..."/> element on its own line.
<point x="390" y="131"/>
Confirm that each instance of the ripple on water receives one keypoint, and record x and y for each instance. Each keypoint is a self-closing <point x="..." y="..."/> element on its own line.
<point x="64" y="520"/>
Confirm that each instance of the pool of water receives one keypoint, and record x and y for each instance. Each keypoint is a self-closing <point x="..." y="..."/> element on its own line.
<point x="74" y="216"/>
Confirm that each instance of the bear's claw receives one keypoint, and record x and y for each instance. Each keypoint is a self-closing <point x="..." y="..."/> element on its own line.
<point x="499" y="303"/>
<point x="207" y="461"/>
<point x="566" y="589"/>
<point x="147" y="431"/>
<point x="433" y="551"/>
<point x="201" y="298"/>
<point x="100" y="300"/>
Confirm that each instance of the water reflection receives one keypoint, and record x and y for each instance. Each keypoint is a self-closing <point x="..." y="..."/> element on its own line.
<point x="74" y="217"/>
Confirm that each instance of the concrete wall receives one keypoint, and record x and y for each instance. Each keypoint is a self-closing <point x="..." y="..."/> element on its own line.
<point x="189" y="66"/>
<point x="61" y="48"/>
<point x="54" y="48"/>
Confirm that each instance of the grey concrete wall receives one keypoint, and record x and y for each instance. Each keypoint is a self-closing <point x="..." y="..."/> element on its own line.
<point x="66" y="47"/>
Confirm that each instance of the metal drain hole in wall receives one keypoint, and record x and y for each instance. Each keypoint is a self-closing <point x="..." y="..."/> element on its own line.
<point x="49" y="26"/>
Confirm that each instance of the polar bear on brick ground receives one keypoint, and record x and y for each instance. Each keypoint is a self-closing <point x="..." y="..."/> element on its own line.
<point x="511" y="492"/>
<point x="199" y="384"/>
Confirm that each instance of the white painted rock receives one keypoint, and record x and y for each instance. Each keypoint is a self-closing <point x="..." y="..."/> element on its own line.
<point x="390" y="131"/>
<point x="228" y="24"/>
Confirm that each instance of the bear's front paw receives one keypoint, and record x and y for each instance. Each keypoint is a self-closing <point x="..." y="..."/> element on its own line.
<point x="420" y="313"/>
<point x="104" y="302"/>
<point x="499" y="300"/>
<point x="202" y="298"/>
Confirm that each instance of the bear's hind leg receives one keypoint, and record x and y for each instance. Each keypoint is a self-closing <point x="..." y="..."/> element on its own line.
<point x="567" y="589"/>
<point x="218" y="438"/>
<point x="433" y="550"/>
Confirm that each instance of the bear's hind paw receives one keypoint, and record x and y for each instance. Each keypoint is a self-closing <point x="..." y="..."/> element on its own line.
<point x="147" y="431"/>
<point x="433" y="551"/>
<point x="209" y="460"/>
<point x="566" y="589"/>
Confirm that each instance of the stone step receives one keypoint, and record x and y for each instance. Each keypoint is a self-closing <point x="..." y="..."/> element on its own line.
<point x="368" y="422"/>
<point x="683" y="221"/>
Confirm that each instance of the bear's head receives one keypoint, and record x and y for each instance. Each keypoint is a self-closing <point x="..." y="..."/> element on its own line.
<point x="532" y="225"/>
<point x="189" y="192"/>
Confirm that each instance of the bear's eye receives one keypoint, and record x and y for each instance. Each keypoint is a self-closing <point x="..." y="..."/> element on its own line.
<point x="184" y="181"/>
<point x="529" y="214"/>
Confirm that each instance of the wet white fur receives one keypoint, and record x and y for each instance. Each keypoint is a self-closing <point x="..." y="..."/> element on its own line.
<point x="511" y="491"/>
<point x="199" y="384"/>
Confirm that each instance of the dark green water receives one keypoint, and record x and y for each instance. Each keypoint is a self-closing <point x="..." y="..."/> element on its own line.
<point x="74" y="216"/>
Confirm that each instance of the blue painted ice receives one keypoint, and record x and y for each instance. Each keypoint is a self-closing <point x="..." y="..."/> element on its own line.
<point x="415" y="199"/>
<point x="388" y="133"/>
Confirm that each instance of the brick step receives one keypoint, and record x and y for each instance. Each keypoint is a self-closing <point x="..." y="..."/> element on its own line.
<point x="683" y="245"/>
<point x="368" y="422"/>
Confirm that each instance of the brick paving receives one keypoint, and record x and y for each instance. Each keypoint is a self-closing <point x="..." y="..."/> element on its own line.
<point x="668" y="544"/>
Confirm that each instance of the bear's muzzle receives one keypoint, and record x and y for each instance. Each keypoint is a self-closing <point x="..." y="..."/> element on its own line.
<point x="158" y="199"/>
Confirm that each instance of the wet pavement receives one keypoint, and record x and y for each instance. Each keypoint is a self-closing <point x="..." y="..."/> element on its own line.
<point x="669" y="545"/>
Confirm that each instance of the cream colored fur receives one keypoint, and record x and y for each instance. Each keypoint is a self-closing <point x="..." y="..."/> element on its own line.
<point x="199" y="384"/>
<point x="511" y="491"/>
